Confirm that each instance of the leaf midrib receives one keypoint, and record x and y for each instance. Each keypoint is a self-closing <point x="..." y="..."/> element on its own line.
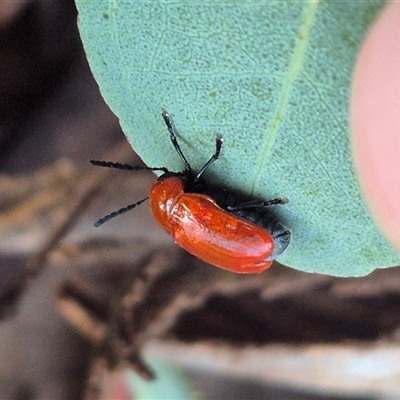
<point x="293" y="71"/>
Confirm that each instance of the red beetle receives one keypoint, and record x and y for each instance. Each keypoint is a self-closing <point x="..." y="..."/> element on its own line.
<point x="211" y="223"/>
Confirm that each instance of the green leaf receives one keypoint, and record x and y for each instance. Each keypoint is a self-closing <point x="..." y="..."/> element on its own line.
<point x="171" y="383"/>
<point x="271" y="77"/>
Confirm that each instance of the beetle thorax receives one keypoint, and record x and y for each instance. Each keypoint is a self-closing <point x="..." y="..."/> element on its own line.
<point x="163" y="195"/>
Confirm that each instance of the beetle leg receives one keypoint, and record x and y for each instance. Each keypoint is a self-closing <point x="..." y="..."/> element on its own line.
<point x="258" y="204"/>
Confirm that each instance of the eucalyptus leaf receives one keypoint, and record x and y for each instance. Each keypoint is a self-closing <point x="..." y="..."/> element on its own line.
<point x="271" y="77"/>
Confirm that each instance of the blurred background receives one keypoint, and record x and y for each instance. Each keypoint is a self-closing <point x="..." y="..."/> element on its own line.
<point x="92" y="313"/>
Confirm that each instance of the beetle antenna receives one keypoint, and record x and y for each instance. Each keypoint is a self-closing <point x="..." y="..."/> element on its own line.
<point x="218" y="145"/>
<point x="174" y="140"/>
<point x="126" y="167"/>
<point x="122" y="210"/>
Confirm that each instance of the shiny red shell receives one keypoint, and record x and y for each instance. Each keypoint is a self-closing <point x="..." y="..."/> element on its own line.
<point x="202" y="228"/>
